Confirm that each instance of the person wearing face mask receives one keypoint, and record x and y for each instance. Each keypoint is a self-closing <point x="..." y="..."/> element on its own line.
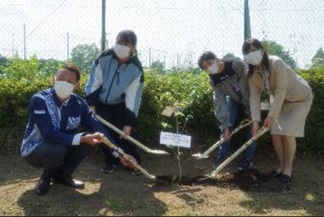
<point x="290" y="97"/>
<point x="231" y="100"/>
<point x="53" y="137"/>
<point x="114" y="90"/>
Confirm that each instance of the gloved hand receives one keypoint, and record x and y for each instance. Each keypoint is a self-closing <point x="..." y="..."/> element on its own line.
<point x="130" y="162"/>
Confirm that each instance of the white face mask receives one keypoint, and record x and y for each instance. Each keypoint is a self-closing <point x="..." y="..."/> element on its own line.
<point x="63" y="89"/>
<point x="121" y="51"/>
<point x="254" y="58"/>
<point x="213" y="69"/>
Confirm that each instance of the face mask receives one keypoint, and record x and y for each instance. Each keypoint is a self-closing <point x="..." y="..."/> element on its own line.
<point x="63" y="89"/>
<point x="121" y="51"/>
<point x="213" y="69"/>
<point x="254" y="58"/>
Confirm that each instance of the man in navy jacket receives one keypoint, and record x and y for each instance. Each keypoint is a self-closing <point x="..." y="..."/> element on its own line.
<point x="61" y="131"/>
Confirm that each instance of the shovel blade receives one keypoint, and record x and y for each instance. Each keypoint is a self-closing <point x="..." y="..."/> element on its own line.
<point x="200" y="156"/>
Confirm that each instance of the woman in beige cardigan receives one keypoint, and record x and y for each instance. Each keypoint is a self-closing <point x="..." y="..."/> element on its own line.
<point x="290" y="97"/>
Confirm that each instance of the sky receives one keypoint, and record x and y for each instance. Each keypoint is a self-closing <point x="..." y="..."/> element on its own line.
<point x="173" y="31"/>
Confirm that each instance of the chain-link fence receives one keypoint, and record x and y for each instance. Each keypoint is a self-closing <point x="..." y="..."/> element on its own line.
<point x="174" y="32"/>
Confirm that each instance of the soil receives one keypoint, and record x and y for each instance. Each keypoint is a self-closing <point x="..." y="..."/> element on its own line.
<point x="186" y="193"/>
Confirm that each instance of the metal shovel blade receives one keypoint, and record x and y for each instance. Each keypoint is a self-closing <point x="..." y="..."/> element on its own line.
<point x="200" y="156"/>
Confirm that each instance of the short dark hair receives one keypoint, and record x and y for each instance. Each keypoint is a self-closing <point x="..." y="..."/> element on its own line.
<point x="207" y="55"/>
<point x="73" y="68"/>
<point x="128" y="36"/>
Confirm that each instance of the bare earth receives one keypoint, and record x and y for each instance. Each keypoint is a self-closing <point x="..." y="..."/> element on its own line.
<point x="121" y="193"/>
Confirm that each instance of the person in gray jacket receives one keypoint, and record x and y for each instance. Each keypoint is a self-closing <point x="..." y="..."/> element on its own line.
<point x="114" y="90"/>
<point x="231" y="100"/>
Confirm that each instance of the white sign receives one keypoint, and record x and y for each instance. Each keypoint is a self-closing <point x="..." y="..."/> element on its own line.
<point x="175" y="139"/>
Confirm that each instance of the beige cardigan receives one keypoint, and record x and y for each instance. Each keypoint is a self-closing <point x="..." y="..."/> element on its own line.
<point x="285" y="86"/>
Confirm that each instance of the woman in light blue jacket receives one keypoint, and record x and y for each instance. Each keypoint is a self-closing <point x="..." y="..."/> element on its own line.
<point x="114" y="90"/>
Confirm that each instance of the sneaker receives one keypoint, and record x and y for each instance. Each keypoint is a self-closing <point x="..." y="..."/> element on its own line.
<point x="245" y="165"/>
<point x="108" y="168"/>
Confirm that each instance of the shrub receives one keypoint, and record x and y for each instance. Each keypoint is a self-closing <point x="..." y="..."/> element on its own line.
<point x="189" y="93"/>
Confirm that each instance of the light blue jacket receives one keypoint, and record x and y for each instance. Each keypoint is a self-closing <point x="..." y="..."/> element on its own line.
<point x="110" y="83"/>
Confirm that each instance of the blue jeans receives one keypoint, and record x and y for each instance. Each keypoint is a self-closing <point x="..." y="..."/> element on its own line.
<point x="235" y="109"/>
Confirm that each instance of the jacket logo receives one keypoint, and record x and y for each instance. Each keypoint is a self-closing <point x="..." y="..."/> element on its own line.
<point x="39" y="112"/>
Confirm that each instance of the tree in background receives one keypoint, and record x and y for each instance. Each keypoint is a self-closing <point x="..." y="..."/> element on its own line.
<point x="158" y="66"/>
<point x="83" y="55"/>
<point x="48" y="67"/>
<point x="318" y="59"/>
<point x="274" y="48"/>
<point x="3" y="62"/>
<point x="18" y="68"/>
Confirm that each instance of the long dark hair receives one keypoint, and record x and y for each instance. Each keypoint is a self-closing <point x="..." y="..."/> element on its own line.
<point x="258" y="45"/>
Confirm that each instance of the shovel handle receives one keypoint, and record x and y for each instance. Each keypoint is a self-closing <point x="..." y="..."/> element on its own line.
<point x="107" y="142"/>
<point x="240" y="150"/>
<point x="137" y="143"/>
<point x="242" y="125"/>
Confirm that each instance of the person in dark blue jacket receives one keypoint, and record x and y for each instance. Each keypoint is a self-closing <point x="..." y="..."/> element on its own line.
<point x="114" y="90"/>
<point x="61" y="131"/>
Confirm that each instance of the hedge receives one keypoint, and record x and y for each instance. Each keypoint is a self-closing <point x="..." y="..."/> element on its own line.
<point x="188" y="93"/>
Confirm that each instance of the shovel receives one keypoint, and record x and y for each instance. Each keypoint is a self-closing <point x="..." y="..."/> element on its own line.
<point x="159" y="179"/>
<point x="107" y="142"/>
<point x="242" y="125"/>
<point x="137" y="143"/>
<point x="211" y="177"/>
<point x="262" y="131"/>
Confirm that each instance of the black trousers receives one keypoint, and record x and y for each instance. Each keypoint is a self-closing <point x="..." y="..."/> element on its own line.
<point x="58" y="159"/>
<point x="115" y="114"/>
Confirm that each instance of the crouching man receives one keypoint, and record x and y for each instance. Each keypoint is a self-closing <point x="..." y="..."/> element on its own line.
<point x="61" y="131"/>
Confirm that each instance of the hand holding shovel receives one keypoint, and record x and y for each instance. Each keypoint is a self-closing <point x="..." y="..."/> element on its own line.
<point x="242" y="125"/>
<point x="137" y="143"/>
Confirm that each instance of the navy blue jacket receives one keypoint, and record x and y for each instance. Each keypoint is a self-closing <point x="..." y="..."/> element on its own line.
<point x="53" y="122"/>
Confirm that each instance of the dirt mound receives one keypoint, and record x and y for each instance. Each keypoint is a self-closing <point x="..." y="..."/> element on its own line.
<point x="251" y="180"/>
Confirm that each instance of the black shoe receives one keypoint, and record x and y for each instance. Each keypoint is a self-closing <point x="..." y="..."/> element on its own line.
<point x="68" y="181"/>
<point x="274" y="173"/>
<point x="284" y="178"/>
<point x="108" y="168"/>
<point x="42" y="187"/>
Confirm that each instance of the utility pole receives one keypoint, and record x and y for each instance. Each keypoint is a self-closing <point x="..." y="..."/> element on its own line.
<point x="13" y="43"/>
<point x="103" y="23"/>
<point x="24" y="41"/>
<point x="67" y="46"/>
<point x="247" y="25"/>
<point x="150" y="57"/>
